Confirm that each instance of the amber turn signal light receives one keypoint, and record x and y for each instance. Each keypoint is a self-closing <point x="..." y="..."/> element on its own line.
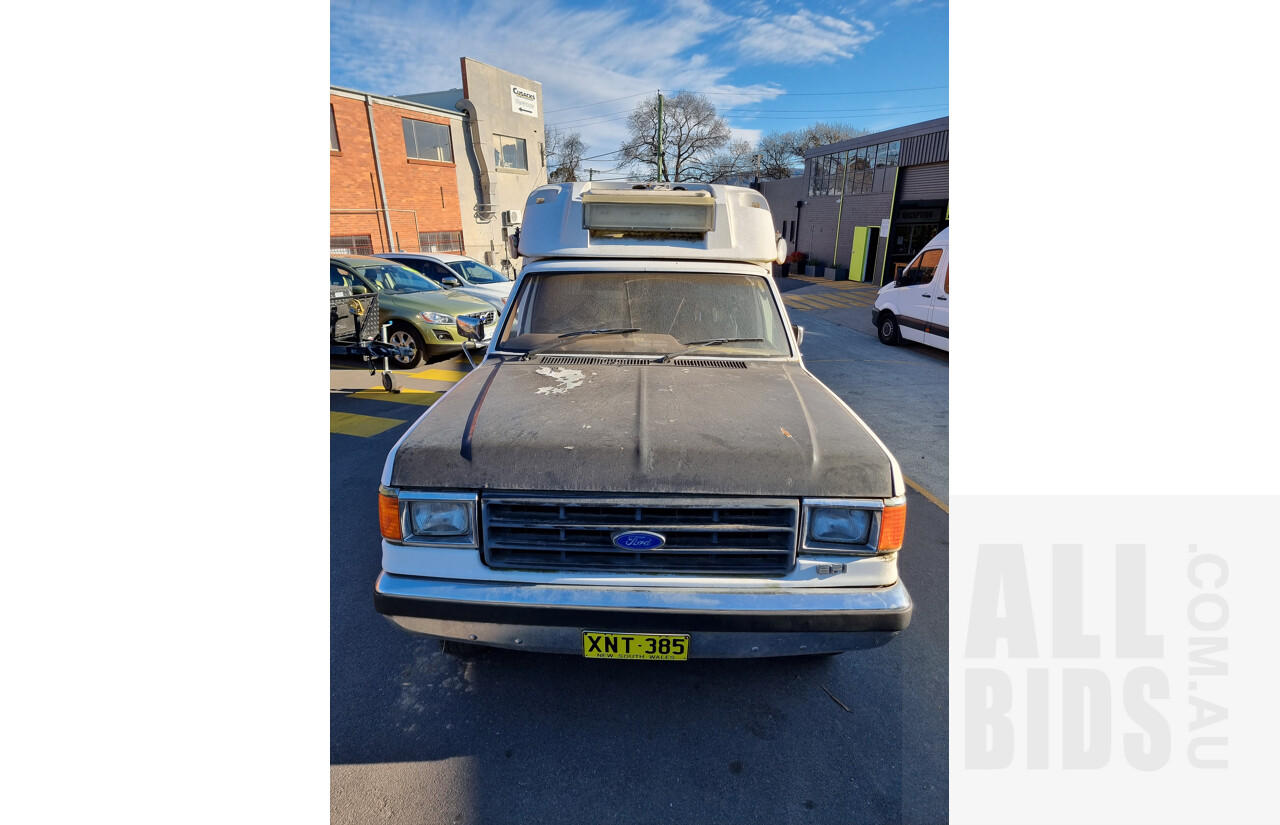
<point x="389" y="516"/>
<point x="893" y="524"/>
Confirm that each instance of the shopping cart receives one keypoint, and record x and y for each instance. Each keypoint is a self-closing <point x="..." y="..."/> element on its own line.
<point x="354" y="330"/>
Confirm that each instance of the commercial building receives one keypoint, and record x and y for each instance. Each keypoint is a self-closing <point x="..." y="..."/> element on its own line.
<point x="866" y="205"/>
<point x="445" y="171"/>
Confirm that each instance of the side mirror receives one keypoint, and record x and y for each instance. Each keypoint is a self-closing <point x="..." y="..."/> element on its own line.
<point x="448" y="282"/>
<point x="470" y="327"/>
<point x="359" y="290"/>
<point x="798" y="331"/>
<point x="782" y="252"/>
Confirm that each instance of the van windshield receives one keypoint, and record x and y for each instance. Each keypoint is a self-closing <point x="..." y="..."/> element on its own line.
<point x="645" y="313"/>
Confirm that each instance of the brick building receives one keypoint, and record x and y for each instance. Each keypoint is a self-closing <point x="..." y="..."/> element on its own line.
<point x="444" y="171"/>
<point x="392" y="177"/>
<point x="869" y="203"/>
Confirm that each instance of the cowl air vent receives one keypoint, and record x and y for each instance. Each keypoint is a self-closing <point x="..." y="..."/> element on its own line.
<point x="710" y="362"/>
<point x="580" y="360"/>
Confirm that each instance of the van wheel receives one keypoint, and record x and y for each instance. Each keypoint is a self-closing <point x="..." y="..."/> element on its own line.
<point x="887" y="329"/>
<point x="402" y="336"/>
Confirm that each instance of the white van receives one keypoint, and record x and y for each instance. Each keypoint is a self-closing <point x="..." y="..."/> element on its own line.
<point x="916" y="306"/>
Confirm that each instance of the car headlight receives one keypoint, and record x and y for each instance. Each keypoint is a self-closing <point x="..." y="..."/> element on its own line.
<point x="436" y="317"/>
<point x="434" y="519"/>
<point x="855" y="526"/>
<point x="845" y="525"/>
<point x="428" y="518"/>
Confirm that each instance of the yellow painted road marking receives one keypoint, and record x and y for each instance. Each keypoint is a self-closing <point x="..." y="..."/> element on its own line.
<point x="407" y="395"/>
<point x="827" y="301"/>
<point x="363" y="426"/>
<point x="928" y="495"/>
<point x="800" y="303"/>
<point x="436" y="375"/>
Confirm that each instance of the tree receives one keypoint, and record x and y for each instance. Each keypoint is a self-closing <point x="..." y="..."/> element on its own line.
<point x="692" y="132"/>
<point x="784" y="151"/>
<point x="564" y="156"/>
<point x="735" y="162"/>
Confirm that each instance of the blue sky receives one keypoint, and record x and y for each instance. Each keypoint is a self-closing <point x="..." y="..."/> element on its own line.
<point x="767" y="65"/>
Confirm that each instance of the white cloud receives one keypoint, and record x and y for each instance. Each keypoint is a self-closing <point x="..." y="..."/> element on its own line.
<point x="806" y="37"/>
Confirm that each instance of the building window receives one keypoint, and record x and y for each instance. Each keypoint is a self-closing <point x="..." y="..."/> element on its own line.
<point x="853" y="171"/>
<point x="350" y="245"/>
<point x="427" y="141"/>
<point x="828" y="174"/>
<point x="440" y="242"/>
<point x="509" y="153"/>
<point x="333" y="132"/>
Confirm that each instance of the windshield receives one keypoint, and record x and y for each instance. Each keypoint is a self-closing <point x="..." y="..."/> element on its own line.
<point x="391" y="277"/>
<point x="477" y="273"/>
<point x="649" y="313"/>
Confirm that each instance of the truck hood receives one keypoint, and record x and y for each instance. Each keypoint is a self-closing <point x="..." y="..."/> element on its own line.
<point x="766" y="428"/>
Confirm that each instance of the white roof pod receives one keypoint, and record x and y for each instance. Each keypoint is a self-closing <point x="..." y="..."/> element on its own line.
<point x="681" y="221"/>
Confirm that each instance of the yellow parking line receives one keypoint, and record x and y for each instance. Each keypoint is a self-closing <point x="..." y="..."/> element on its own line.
<point x="363" y="426"/>
<point x="801" y="303"/>
<point x="928" y="495"/>
<point x="407" y="395"/>
<point x="436" y="375"/>
<point x="828" y="301"/>
<point x="804" y="303"/>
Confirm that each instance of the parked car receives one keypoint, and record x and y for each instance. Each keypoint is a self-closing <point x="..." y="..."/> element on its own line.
<point x="422" y="314"/>
<point x="916" y="305"/>
<point x="458" y="273"/>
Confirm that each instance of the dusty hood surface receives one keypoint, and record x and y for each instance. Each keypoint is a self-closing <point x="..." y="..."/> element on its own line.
<point x="769" y="429"/>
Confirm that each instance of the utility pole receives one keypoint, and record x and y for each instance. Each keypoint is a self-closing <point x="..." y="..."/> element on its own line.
<point x="660" y="149"/>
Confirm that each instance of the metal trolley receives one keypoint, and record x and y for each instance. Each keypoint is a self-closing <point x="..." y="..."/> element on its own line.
<point x="353" y="330"/>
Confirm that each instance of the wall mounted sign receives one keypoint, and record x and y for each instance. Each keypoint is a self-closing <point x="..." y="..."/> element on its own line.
<point x="920" y="215"/>
<point x="524" y="102"/>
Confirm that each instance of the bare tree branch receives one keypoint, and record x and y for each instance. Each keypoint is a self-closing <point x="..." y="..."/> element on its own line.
<point x="692" y="133"/>
<point x="564" y="155"/>
<point x="784" y="151"/>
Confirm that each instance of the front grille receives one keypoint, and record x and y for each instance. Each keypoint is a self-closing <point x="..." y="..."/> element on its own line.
<point x="488" y="317"/>
<point x="703" y="535"/>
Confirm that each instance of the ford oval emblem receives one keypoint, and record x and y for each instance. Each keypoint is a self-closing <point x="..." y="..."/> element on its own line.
<point x="638" y="540"/>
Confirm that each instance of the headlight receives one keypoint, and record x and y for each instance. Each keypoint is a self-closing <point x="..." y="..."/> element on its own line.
<point x="844" y="525"/>
<point x="446" y="519"/>
<point x="438" y="518"/>
<point x="862" y="527"/>
<point x="436" y="318"/>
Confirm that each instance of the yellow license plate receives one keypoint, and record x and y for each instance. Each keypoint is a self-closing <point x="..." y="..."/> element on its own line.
<point x="634" y="646"/>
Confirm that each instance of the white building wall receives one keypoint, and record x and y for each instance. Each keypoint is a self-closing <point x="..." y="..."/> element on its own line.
<point x="494" y="103"/>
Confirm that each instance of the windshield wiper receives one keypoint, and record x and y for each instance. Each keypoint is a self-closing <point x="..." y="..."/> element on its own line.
<point x="691" y="346"/>
<point x="560" y="339"/>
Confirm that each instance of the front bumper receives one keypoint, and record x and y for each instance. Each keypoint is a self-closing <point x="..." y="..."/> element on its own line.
<point x="720" y="623"/>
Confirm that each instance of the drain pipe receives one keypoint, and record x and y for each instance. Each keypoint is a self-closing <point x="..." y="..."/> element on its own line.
<point x="799" y="206"/>
<point x="377" y="165"/>
<point x="480" y="140"/>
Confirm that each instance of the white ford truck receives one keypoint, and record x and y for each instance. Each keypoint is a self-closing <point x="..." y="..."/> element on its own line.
<point x="642" y="467"/>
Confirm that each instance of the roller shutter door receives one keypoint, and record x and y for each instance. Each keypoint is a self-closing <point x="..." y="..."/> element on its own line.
<point x="923" y="183"/>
